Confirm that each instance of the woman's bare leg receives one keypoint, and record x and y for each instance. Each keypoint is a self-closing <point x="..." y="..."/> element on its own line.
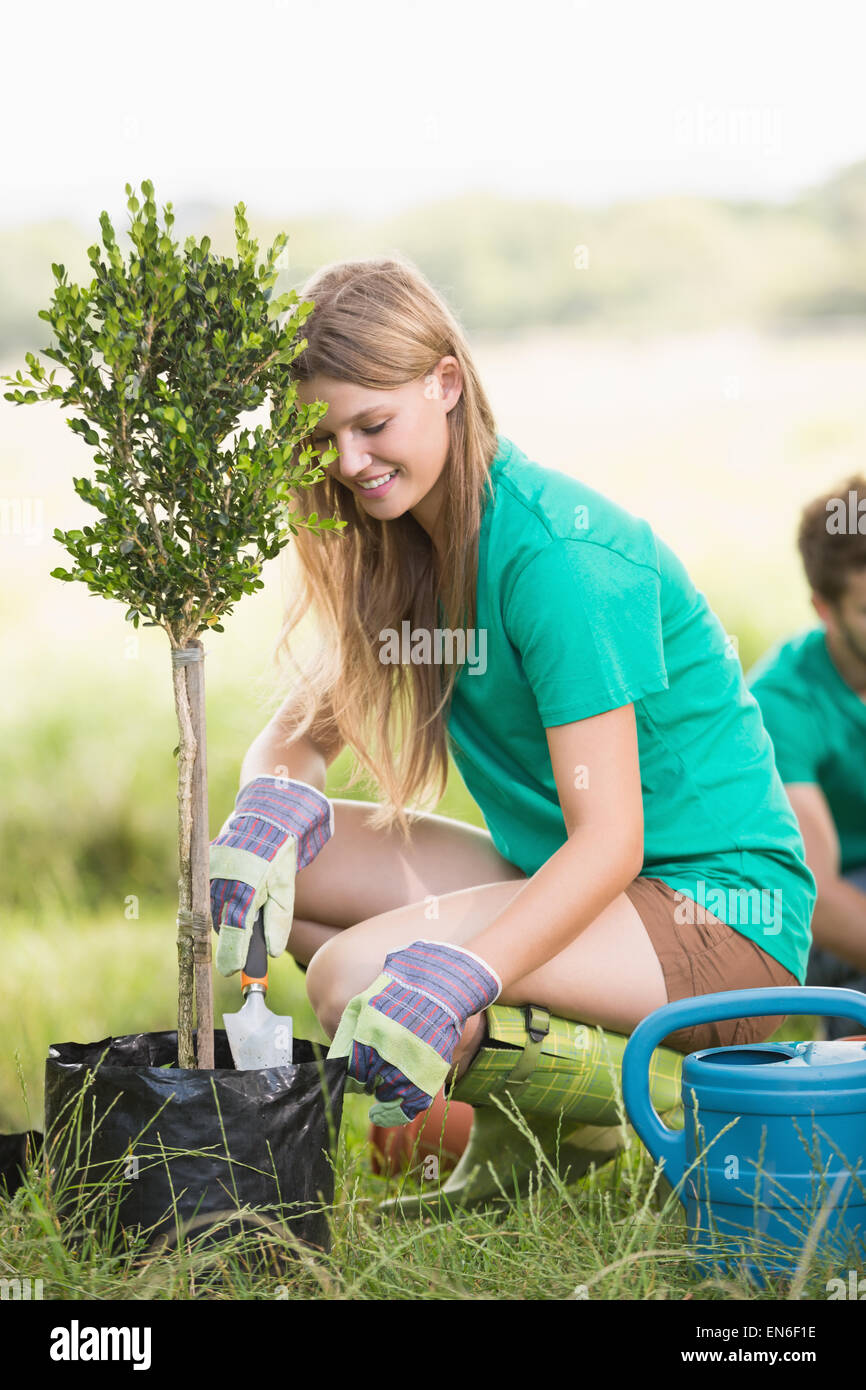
<point x="366" y="894"/>
<point x="362" y="873"/>
<point x="609" y="975"/>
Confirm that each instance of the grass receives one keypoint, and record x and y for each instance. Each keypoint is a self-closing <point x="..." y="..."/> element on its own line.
<point x="613" y="1235"/>
<point x="84" y="974"/>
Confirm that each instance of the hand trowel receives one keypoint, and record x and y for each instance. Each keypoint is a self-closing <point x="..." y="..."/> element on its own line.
<point x="257" y="1037"/>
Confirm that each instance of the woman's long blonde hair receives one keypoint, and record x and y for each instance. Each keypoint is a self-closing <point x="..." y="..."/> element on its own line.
<point x="379" y="323"/>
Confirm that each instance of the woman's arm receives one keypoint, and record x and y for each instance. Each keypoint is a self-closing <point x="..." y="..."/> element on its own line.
<point x="597" y="772"/>
<point x="305" y="759"/>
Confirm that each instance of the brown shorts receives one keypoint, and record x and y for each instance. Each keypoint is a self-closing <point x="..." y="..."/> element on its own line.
<point x="703" y="957"/>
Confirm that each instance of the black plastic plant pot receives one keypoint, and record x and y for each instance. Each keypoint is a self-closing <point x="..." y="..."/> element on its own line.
<point x="136" y="1144"/>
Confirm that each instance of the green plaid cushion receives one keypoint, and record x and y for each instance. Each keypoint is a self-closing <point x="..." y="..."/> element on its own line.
<point x="578" y="1072"/>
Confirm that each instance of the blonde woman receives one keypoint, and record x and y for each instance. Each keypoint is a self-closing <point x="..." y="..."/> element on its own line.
<point x="639" y="844"/>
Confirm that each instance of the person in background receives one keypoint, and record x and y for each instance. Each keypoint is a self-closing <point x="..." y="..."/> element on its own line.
<point x="812" y="693"/>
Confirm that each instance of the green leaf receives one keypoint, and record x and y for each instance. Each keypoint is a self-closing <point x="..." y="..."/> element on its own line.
<point x="164" y="380"/>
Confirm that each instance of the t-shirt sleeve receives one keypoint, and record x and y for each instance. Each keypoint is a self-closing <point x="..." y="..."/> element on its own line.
<point x="586" y="622"/>
<point x="791" y="726"/>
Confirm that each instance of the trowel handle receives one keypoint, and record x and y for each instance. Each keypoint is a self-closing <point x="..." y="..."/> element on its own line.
<point x="256" y="969"/>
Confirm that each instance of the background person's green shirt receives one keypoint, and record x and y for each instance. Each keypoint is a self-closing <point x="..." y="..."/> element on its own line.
<point x="818" y="727"/>
<point x="585" y="609"/>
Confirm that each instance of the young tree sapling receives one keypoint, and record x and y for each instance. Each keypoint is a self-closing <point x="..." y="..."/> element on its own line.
<point x="163" y="356"/>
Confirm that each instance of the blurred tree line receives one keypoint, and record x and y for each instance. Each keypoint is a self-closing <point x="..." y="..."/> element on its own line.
<point x="509" y="264"/>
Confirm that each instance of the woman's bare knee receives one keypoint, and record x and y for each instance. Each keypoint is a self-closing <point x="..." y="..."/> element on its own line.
<point x="333" y="979"/>
<point x="349" y="963"/>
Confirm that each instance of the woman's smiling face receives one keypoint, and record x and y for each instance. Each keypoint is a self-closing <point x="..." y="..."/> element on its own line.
<point x="399" y="437"/>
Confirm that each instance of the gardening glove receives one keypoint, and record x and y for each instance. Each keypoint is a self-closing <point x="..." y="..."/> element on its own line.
<point x="401" y="1033"/>
<point x="277" y="827"/>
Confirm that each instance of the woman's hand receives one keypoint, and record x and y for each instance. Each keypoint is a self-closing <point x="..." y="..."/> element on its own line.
<point x="277" y="827"/>
<point x="400" y="1035"/>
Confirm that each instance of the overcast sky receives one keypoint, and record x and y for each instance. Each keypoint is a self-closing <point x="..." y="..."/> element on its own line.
<point x="369" y="105"/>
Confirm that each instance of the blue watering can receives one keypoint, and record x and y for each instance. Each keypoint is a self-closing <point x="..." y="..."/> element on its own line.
<point x="773" y="1152"/>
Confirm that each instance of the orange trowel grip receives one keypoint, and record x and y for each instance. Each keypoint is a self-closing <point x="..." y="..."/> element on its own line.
<point x="254" y="980"/>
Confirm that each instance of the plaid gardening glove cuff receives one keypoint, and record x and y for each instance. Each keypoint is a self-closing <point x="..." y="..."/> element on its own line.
<point x="400" y="1035"/>
<point x="277" y="827"/>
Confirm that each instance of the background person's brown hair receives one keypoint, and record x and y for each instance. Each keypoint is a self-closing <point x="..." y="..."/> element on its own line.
<point x="830" y="555"/>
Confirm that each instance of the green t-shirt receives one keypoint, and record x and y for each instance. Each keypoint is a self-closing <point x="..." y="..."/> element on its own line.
<point x="818" y="727"/>
<point x="581" y="608"/>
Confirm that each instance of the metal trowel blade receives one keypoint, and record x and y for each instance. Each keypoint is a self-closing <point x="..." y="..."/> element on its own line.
<point x="257" y="1037"/>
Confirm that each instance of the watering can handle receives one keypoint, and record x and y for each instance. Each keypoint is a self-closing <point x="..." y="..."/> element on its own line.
<point x="669" y="1144"/>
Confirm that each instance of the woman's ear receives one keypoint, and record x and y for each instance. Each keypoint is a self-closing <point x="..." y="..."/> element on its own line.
<point x="448" y="379"/>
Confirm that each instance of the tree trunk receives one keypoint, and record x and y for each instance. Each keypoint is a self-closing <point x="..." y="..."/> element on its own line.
<point x="200" y="853"/>
<point x="194" y="922"/>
